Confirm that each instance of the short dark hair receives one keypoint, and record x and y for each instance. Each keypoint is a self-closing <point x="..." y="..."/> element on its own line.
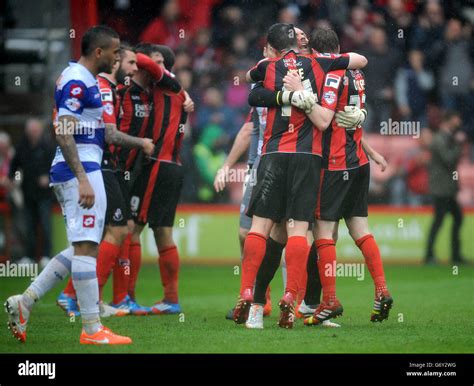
<point x="124" y="46"/>
<point x="99" y="36"/>
<point x="325" y="40"/>
<point x="144" y="48"/>
<point x="168" y="55"/>
<point x="282" y="36"/>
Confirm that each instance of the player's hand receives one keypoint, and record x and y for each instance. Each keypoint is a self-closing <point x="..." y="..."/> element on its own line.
<point x="460" y="136"/>
<point x="221" y="178"/>
<point x="86" y="194"/>
<point x="148" y="146"/>
<point x="188" y="104"/>
<point x="304" y="100"/>
<point x="380" y="160"/>
<point x="351" y="117"/>
<point x="292" y="81"/>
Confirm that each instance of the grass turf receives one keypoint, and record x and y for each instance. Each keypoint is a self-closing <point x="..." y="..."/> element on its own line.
<point x="433" y="313"/>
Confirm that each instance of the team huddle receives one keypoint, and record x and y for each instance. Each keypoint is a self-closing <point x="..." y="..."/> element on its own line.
<point x="119" y="170"/>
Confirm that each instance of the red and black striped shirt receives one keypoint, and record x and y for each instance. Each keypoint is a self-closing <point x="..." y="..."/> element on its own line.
<point x="111" y="109"/>
<point x="135" y="111"/>
<point x="288" y="129"/>
<point x="342" y="148"/>
<point x="167" y="125"/>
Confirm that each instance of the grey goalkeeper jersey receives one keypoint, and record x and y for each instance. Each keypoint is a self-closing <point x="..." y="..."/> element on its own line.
<point x="259" y="120"/>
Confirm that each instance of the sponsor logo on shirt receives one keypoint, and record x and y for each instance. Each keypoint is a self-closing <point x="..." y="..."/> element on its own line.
<point x="329" y="97"/>
<point x="88" y="221"/>
<point x="73" y="104"/>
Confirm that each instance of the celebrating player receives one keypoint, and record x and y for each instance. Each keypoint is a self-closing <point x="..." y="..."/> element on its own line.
<point x="288" y="175"/>
<point x="344" y="183"/>
<point x="77" y="181"/>
<point x="156" y="193"/>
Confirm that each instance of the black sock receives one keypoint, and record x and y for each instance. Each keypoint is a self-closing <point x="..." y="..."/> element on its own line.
<point x="313" y="286"/>
<point x="269" y="266"/>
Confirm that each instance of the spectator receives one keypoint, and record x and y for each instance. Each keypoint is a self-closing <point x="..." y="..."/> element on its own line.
<point x="428" y="33"/>
<point x="6" y="152"/>
<point x="456" y="73"/>
<point x="168" y="29"/>
<point x="417" y="178"/>
<point x="357" y="32"/>
<point x="445" y="155"/>
<point x="33" y="157"/>
<point x="214" y="111"/>
<point x="209" y="156"/>
<point x="411" y="87"/>
<point x="398" y="24"/>
<point x="379" y="83"/>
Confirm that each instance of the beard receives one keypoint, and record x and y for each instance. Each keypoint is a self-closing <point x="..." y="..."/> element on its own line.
<point x="121" y="76"/>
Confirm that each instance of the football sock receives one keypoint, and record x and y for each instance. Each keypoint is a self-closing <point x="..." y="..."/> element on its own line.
<point x="69" y="289"/>
<point x="313" y="285"/>
<point x="135" y="263"/>
<point x="169" y="270"/>
<point x="254" y="251"/>
<point x="121" y="272"/>
<point x="106" y="259"/>
<point x="296" y="256"/>
<point x="84" y="276"/>
<point x="266" y="272"/>
<point x="326" y="266"/>
<point x="370" y="250"/>
<point x="55" y="271"/>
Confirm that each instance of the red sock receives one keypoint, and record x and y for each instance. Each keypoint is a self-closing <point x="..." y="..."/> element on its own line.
<point x="254" y="251"/>
<point x="169" y="269"/>
<point x="296" y="255"/>
<point x="69" y="290"/>
<point x="327" y="268"/>
<point x="106" y="259"/>
<point x="370" y="250"/>
<point x="122" y="271"/>
<point x="135" y="263"/>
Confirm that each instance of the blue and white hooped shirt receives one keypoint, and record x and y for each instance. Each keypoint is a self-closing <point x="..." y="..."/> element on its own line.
<point x="77" y="94"/>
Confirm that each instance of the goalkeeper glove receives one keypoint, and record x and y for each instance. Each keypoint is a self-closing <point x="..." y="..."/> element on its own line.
<point x="302" y="99"/>
<point x="351" y="117"/>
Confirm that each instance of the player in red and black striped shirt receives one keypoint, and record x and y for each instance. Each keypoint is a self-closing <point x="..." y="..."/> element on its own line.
<point x="288" y="175"/>
<point x="344" y="183"/>
<point x="159" y="187"/>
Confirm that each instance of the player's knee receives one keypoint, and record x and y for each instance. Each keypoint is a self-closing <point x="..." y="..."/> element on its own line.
<point x="243" y="234"/>
<point x="117" y="234"/>
<point x="86" y="248"/>
<point x="163" y="237"/>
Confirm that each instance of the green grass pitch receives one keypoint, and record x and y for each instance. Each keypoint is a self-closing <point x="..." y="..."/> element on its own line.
<point x="433" y="313"/>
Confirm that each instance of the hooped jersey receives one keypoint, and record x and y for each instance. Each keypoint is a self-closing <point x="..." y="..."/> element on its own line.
<point x="77" y="94"/>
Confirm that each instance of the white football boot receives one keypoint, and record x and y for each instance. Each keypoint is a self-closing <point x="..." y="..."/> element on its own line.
<point x="18" y="316"/>
<point x="255" y="319"/>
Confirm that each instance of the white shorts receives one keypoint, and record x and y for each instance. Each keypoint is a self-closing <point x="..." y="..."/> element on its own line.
<point x="83" y="224"/>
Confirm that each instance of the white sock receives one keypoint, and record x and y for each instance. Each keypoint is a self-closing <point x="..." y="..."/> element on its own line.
<point x="55" y="271"/>
<point x="84" y="278"/>
<point x="283" y="272"/>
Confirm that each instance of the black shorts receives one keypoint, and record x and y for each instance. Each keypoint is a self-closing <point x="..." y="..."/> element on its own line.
<point x="287" y="187"/>
<point x="343" y="194"/>
<point x="118" y="207"/>
<point x="155" y="194"/>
